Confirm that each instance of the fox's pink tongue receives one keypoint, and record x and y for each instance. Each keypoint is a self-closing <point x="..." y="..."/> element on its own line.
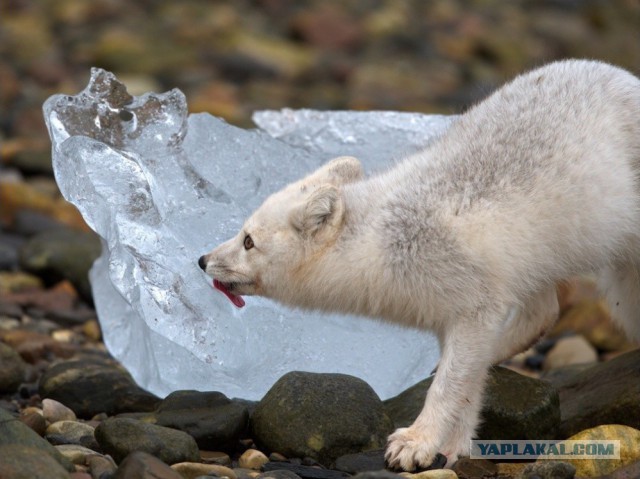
<point x="237" y="300"/>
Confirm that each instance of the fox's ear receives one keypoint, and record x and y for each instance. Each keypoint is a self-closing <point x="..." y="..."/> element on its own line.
<point x="339" y="171"/>
<point x="322" y="209"/>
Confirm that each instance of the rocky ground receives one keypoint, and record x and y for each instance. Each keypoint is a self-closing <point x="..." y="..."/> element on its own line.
<point x="69" y="410"/>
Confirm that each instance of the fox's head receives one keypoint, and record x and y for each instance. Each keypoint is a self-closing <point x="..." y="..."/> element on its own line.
<point x="292" y="226"/>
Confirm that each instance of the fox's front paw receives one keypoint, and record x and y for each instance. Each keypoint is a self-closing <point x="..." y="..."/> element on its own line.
<point x="409" y="449"/>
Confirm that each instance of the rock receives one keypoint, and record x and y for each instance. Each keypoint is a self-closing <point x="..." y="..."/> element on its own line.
<point x="515" y="406"/>
<point x="361" y="462"/>
<point x="510" y="470"/>
<point x="15" y="197"/>
<point x="82" y="385"/>
<point x="21" y="462"/>
<point x="141" y="465"/>
<point x="215" y="457"/>
<point x="120" y="436"/>
<point x="34" y="346"/>
<point x="75" y="453"/>
<point x="15" y="433"/>
<point x="9" y="247"/>
<point x="629" y="450"/>
<point x="18" y="281"/>
<point x="252" y="459"/>
<point x="191" y="470"/>
<point x="72" y="432"/>
<point x="377" y="475"/>
<point x="435" y="474"/>
<point x="101" y="466"/>
<point x="548" y="470"/>
<point x="605" y="393"/>
<point x="214" y="421"/>
<point x="328" y="27"/>
<point x="12" y="369"/>
<point x="62" y="254"/>
<point x="53" y="411"/>
<point x="322" y="416"/>
<point x="568" y="351"/>
<point x="278" y="474"/>
<point x="305" y="472"/>
<point x="590" y="318"/>
<point x="33" y="418"/>
<point x="632" y="471"/>
<point x="466" y="468"/>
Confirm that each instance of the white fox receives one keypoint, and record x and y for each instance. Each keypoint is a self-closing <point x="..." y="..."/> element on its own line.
<point x="467" y="238"/>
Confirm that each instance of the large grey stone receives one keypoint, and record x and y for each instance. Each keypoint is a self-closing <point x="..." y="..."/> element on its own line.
<point x="119" y="437"/>
<point x="18" y="461"/>
<point x="515" y="406"/>
<point x="62" y="254"/>
<point x="141" y="465"/>
<point x="15" y="433"/>
<point x="322" y="416"/>
<point x="213" y="420"/>
<point x="93" y="386"/>
<point x="605" y="393"/>
<point x="12" y="369"/>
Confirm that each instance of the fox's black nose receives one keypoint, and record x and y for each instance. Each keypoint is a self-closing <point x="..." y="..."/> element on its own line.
<point x="202" y="262"/>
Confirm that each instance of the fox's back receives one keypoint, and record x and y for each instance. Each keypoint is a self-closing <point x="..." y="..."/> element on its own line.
<point x="542" y="174"/>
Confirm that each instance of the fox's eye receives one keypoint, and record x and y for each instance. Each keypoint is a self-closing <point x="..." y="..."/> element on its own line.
<point x="248" y="242"/>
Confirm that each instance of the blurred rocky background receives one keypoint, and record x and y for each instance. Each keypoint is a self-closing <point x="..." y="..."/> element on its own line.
<point x="231" y="58"/>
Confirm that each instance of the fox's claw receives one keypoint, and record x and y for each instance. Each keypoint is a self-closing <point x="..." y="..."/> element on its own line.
<point x="408" y="451"/>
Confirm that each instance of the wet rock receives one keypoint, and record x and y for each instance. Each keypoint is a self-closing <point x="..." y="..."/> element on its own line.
<point x="252" y="459"/>
<point x="305" y="472"/>
<point x="589" y="317"/>
<point x="605" y="393"/>
<point x="213" y="420"/>
<point x="568" y="351"/>
<point x="62" y="254"/>
<point x="9" y="247"/>
<point x="102" y="466"/>
<point x="515" y="406"/>
<point x="328" y="27"/>
<point x="12" y="369"/>
<point x="75" y="453"/>
<point x="21" y="461"/>
<point x="361" y="462"/>
<point x="322" y="416"/>
<point x="192" y="470"/>
<point x="15" y="433"/>
<point x="17" y="281"/>
<point x="29" y="223"/>
<point x="16" y="197"/>
<point x="215" y="457"/>
<point x="632" y="471"/>
<point x="548" y="470"/>
<point x="82" y="386"/>
<point x="278" y="474"/>
<point x="119" y="437"/>
<point x="629" y="450"/>
<point x="467" y="468"/>
<point x="34" y="346"/>
<point x="33" y="418"/>
<point x="141" y="465"/>
<point x="377" y="475"/>
<point x="53" y="411"/>
<point x="72" y="432"/>
<point x="435" y="474"/>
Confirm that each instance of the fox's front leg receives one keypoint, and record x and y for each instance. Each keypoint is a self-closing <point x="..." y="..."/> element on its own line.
<point x="451" y="410"/>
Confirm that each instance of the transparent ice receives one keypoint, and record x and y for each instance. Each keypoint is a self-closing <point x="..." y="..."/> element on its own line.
<point x="161" y="188"/>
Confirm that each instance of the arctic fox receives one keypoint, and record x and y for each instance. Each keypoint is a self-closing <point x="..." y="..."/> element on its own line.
<point x="467" y="238"/>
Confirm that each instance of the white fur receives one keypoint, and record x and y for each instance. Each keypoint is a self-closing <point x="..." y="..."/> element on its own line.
<point x="467" y="238"/>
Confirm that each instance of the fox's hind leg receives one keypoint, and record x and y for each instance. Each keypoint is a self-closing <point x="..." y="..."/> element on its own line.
<point x="620" y="284"/>
<point x="529" y="323"/>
